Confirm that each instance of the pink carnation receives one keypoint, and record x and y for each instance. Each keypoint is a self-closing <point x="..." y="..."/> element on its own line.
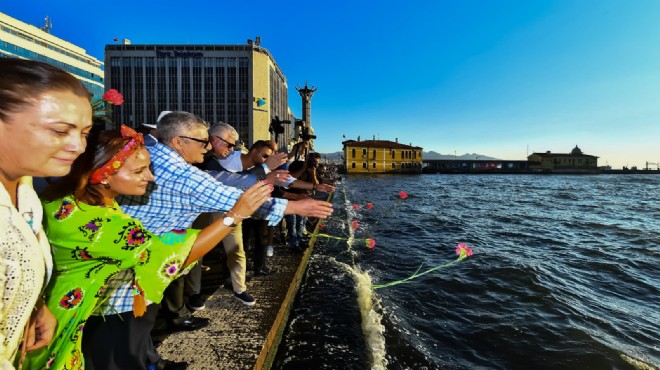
<point x="463" y="250"/>
<point x="355" y="207"/>
<point x="370" y="243"/>
<point x="403" y="195"/>
<point x="370" y="205"/>
<point x="113" y="96"/>
<point x="355" y="224"/>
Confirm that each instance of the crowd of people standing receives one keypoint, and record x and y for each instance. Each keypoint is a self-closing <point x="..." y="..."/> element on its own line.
<point x="82" y="276"/>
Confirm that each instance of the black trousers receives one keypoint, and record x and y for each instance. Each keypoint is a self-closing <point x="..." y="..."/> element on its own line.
<point x="119" y="342"/>
<point x="257" y="229"/>
<point x="174" y="300"/>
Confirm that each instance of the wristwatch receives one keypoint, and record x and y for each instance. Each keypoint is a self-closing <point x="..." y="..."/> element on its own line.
<point x="228" y="221"/>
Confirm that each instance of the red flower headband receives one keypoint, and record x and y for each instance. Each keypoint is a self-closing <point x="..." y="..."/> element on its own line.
<point x="118" y="159"/>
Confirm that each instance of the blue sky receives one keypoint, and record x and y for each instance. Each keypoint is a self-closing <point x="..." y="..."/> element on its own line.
<point x="499" y="78"/>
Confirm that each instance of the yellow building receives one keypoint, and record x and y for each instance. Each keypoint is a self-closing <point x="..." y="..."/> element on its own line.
<point x="380" y="156"/>
<point x="575" y="161"/>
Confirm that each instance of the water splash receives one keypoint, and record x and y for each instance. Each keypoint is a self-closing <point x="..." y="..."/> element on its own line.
<point x="370" y="308"/>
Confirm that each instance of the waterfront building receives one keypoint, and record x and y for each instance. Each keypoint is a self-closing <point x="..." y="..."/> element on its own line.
<point x="380" y="156"/>
<point x="474" y="166"/>
<point x="241" y="85"/>
<point x="21" y="40"/>
<point x="564" y="162"/>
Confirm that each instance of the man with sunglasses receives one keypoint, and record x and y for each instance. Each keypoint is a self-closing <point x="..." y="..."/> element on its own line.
<point x="181" y="192"/>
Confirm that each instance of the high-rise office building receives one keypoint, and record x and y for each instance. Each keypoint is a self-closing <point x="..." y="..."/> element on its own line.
<point x="21" y="40"/>
<point x="241" y="85"/>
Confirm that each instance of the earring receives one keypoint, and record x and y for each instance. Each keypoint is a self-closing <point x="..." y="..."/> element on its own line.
<point x="106" y="185"/>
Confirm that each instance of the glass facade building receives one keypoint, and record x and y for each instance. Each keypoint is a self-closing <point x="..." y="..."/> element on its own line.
<point x="21" y="40"/>
<point x="237" y="84"/>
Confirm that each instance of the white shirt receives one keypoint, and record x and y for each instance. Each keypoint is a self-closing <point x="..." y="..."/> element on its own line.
<point x="25" y="265"/>
<point x="233" y="162"/>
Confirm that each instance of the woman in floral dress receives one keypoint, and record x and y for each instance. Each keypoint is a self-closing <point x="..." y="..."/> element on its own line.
<point x="93" y="240"/>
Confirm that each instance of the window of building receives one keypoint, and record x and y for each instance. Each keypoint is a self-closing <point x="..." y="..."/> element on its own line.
<point x="364" y="165"/>
<point x="393" y="165"/>
<point x="374" y="153"/>
<point x="353" y="153"/>
<point x="373" y="165"/>
<point x="392" y="153"/>
<point x="353" y="165"/>
<point x="364" y="151"/>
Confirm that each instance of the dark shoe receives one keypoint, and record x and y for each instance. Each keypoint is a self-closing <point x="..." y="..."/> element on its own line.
<point x="245" y="298"/>
<point x="168" y="365"/>
<point x="195" y="302"/>
<point x="262" y="272"/>
<point x="188" y="323"/>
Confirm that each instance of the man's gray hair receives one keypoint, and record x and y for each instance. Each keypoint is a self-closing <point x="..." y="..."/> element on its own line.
<point x="221" y="128"/>
<point x="178" y="123"/>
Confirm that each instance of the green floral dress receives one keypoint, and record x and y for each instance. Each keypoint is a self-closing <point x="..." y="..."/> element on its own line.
<point x="90" y="245"/>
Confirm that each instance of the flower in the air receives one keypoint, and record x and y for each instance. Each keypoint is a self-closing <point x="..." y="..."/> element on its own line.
<point x="355" y="224"/>
<point x="370" y="243"/>
<point x="403" y="195"/>
<point x="370" y="205"/>
<point x="113" y="96"/>
<point x="355" y="207"/>
<point x="463" y="250"/>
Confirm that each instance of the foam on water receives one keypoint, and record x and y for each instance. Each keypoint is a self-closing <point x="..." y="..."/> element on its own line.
<point x="371" y="324"/>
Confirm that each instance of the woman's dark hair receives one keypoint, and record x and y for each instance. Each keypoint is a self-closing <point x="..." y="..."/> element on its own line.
<point x="100" y="149"/>
<point x="23" y="80"/>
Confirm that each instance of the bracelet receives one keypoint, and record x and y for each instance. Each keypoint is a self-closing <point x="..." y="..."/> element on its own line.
<point x="237" y="215"/>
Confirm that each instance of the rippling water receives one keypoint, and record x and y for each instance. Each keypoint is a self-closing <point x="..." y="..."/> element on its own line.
<point x="565" y="275"/>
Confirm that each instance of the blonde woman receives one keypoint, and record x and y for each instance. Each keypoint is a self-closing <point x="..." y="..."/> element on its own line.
<point x="45" y="117"/>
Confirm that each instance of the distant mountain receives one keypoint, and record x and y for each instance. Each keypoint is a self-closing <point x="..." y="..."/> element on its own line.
<point x="332" y="156"/>
<point x="469" y="156"/>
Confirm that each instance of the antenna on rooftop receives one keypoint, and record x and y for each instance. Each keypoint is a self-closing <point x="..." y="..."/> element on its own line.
<point x="48" y="25"/>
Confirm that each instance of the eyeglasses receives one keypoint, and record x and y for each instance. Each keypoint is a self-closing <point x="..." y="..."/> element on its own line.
<point x="229" y="145"/>
<point x="203" y="142"/>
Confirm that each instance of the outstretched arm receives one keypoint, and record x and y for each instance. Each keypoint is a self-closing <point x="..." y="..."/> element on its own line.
<point x="211" y="235"/>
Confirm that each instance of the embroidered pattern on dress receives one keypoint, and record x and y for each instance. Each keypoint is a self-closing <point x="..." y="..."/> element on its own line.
<point x="171" y="268"/>
<point x="133" y="235"/>
<point x="65" y="210"/>
<point x="81" y="254"/>
<point x="71" y="299"/>
<point x="90" y="229"/>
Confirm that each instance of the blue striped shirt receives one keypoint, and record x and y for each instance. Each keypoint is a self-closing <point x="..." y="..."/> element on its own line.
<point x="180" y="192"/>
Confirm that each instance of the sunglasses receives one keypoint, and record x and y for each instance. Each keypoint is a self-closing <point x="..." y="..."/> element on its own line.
<point x="229" y="145"/>
<point x="203" y="142"/>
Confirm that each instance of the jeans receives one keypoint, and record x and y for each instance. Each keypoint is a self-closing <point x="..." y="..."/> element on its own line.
<point x="295" y="228"/>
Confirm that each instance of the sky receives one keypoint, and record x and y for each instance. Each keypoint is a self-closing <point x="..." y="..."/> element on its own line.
<point x="499" y="78"/>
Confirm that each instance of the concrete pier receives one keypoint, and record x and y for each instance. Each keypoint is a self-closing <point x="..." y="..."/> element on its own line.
<point x="238" y="336"/>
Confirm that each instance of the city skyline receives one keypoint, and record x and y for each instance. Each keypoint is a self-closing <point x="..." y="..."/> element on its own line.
<point x="504" y="80"/>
